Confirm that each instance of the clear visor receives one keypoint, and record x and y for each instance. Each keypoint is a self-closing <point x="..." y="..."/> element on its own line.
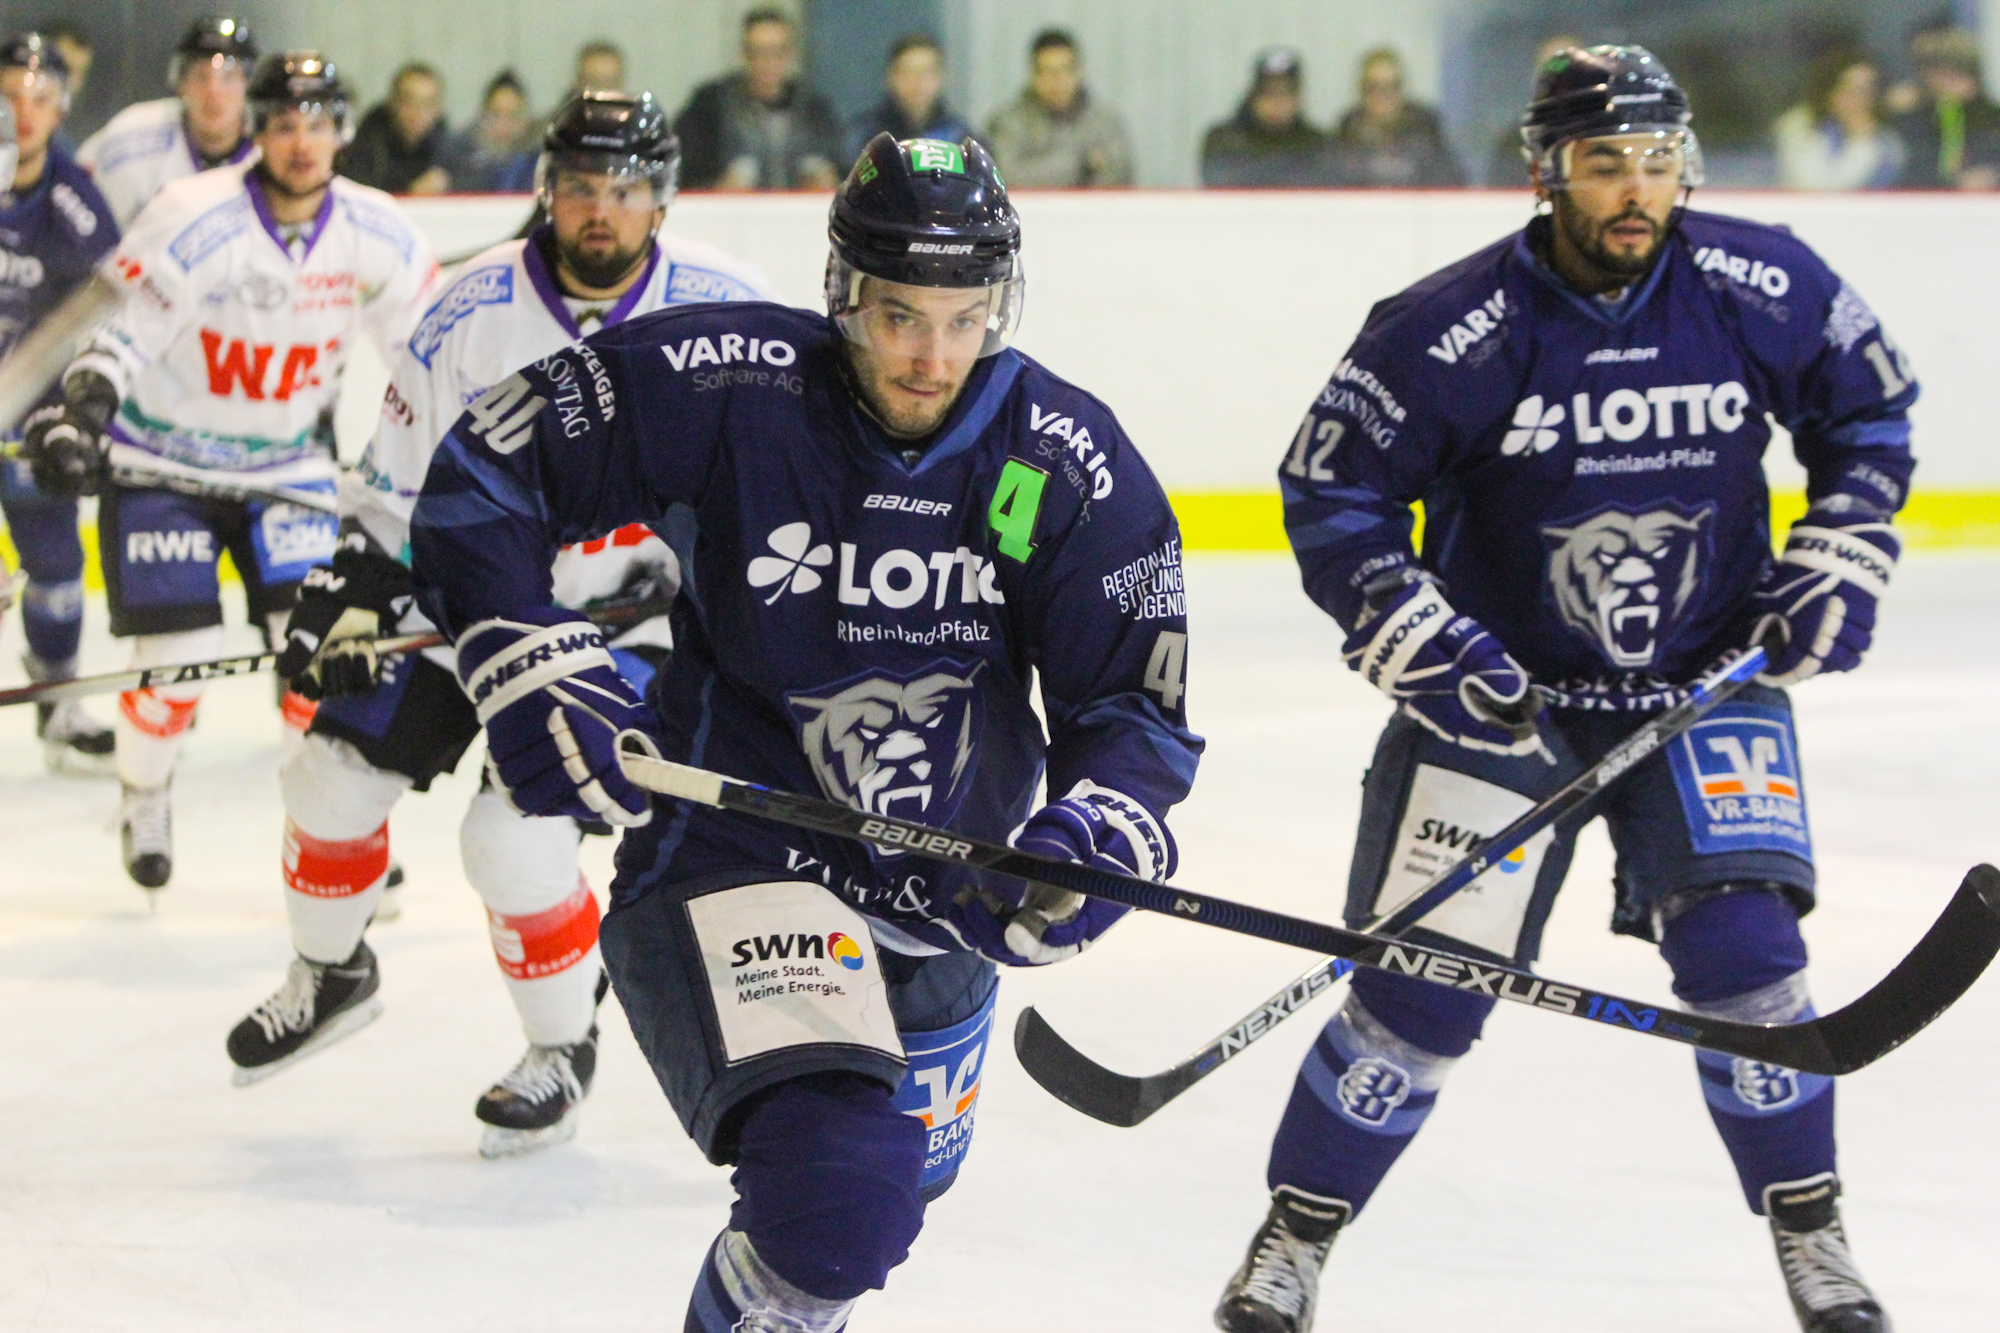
<point x="334" y="111"/>
<point x="616" y="180"/>
<point x="214" y="69"/>
<point x="952" y="324"/>
<point x="1652" y="156"/>
<point x="41" y="86"/>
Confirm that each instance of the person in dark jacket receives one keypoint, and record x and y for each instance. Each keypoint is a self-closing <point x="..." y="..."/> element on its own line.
<point x="1267" y="144"/>
<point x="1387" y="140"/>
<point x="1953" y="135"/>
<point x="400" y="145"/>
<point x="494" y="154"/>
<point x="912" y="105"/>
<point x="763" y="127"/>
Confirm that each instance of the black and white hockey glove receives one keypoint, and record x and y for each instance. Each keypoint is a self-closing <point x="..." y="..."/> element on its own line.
<point x="553" y="702"/>
<point x="1819" y="598"/>
<point x="65" y="446"/>
<point x="342" y="609"/>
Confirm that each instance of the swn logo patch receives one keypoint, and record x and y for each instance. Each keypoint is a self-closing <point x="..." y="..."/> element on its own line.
<point x="234" y="364"/>
<point x="798" y="945"/>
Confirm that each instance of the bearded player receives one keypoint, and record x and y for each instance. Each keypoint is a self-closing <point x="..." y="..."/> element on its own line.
<point x="890" y="522"/>
<point x="386" y="726"/>
<point x="1582" y="409"/>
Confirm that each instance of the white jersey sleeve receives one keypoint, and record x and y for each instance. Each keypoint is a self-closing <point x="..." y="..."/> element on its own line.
<point x="138" y="152"/>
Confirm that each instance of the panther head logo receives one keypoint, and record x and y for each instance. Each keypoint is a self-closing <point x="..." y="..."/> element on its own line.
<point x="894" y="745"/>
<point x="1621" y="579"/>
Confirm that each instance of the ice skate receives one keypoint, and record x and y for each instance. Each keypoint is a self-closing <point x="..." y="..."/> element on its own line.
<point x="537" y="1104"/>
<point x="391" y="904"/>
<point x="318" y="1005"/>
<point x="146" y="834"/>
<point x="1827" y="1291"/>
<point x="1275" y="1289"/>
<point x="73" y="741"/>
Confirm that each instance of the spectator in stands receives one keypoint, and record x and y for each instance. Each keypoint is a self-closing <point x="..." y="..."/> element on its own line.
<point x="1507" y="168"/>
<point x="1387" y="140"/>
<point x="1267" y="144"/>
<point x="75" y="46"/>
<point x="496" y="153"/>
<point x="1053" y="134"/>
<point x="763" y="127"/>
<point x="913" y="105"/>
<point x="600" y="67"/>
<point x="1953" y="134"/>
<point x="1835" y="138"/>
<point x="399" y="146"/>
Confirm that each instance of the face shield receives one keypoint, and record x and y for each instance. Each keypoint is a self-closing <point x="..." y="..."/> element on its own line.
<point x="334" y="110"/>
<point x="1651" y="155"/>
<point x="946" y="323"/>
<point x="619" y="180"/>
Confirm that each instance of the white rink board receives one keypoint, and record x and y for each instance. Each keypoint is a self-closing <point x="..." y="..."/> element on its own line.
<point x="1209" y="320"/>
<point x="1568" y="1183"/>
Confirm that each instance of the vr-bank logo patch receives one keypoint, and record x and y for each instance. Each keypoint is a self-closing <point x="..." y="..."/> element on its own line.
<point x="1738" y="776"/>
<point x="1622" y="577"/>
<point x="894" y="745"/>
<point x="1372" y="1088"/>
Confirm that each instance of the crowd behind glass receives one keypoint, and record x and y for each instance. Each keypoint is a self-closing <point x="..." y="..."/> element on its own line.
<point x="763" y="126"/>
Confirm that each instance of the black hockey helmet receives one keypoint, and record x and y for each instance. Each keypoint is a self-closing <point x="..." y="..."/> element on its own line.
<point x="298" y="81"/>
<point x="39" y="56"/>
<point x="1599" y="91"/>
<point x="212" y="37"/>
<point x="925" y="213"/>
<point x="611" y="134"/>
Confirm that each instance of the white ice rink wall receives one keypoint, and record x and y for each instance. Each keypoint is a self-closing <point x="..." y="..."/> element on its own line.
<point x="1208" y="320"/>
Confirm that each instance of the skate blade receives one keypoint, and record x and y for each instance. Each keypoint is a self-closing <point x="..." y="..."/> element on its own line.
<point x="346" y="1025"/>
<point x="498" y="1142"/>
<point x="65" y="762"/>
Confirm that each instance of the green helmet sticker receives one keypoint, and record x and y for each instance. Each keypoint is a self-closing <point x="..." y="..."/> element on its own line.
<point x="935" y="155"/>
<point x="868" y="171"/>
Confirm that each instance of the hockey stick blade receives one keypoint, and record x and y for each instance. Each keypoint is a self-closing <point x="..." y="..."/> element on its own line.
<point x="1890" y="1014"/>
<point x="1120" y="1096"/>
<point x="1946" y="961"/>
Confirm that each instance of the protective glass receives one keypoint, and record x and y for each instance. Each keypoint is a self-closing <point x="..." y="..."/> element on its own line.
<point x="619" y="180"/>
<point x="895" y="330"/>
<point x="1650" y="154"/>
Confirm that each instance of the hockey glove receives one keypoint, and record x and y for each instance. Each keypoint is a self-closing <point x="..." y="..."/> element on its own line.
<point x="1819" y="598"/>
<point x="343" y="607"/>
<point x="1446" y="671"/>
<point x="65" y="446"/>
<point x="1030" y="924"/>
<point x="552" y="701"/>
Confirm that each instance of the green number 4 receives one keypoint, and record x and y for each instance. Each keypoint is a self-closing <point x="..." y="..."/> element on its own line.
<point x="1017" y="502"/>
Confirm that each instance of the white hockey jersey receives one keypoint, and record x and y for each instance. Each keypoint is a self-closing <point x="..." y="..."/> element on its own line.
<point x="228" y="350"/>
<point x="501" y="312"/>
<point x="139" y="150"/>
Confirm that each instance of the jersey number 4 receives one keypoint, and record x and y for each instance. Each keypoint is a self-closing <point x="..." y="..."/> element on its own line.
<point x="1166" y="669"/>
<point x="502" y="418"/>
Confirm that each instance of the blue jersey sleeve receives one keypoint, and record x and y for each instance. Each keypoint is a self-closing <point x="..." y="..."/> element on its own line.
<point x="576" y="445"/>
<point x="1105" y="611"/>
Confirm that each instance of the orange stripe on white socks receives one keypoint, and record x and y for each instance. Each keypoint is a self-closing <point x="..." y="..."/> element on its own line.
<point x="541" y="944"/>
<point x="155" y="715"/>
<point x="322" y="868"/>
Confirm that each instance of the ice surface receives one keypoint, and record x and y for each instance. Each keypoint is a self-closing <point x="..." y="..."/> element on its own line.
<point x="1568" y="1181"/>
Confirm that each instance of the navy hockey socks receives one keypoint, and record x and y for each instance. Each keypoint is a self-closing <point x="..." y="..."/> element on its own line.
<point x="1369" y="1083"/>
<point x="1740" y="956"/>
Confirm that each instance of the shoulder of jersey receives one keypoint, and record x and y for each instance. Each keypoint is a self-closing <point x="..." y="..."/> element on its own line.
<point x="376" y="214"/>
<point x="693" y="336"/>
<point x="78" y="199"/>
<point x="1459" y="304"/>
<point x="1062" y="429"/>
<point x="140" y="130"/>
<point x="1766" y="258"/>
<point x="492" y="278"/>
<point x="702" y="272"/>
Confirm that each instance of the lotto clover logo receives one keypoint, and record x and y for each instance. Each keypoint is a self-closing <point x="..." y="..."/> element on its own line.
<point x="788" y="568"/>
<point x="1533" y="428"/>
<point x="936" y="155"/>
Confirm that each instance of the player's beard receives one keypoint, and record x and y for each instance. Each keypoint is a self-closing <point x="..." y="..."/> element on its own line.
<point x="602" y="270"/>
<point x="911" y="421"/>
<point x="1588" y="236"/>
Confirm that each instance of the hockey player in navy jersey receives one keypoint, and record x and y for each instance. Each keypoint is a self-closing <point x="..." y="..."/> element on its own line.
<point x="888" y="522"/>
<point x="54" y="228"/>
<point x="1583" y="410"/>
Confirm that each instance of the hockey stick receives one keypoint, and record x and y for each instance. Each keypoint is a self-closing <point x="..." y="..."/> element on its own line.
<point x="1944" y="964"/>
<point x="41" y="357"/>
<point x="607" y="616"/>
<point x="1125" y="1100"/>
<point x="140" y="477"/>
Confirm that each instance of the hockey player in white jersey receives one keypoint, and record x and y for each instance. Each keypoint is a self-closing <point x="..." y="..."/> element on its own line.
<point x="202" y="125"/>
<point x="245" y="289"/>
<point x="606" y="176"/>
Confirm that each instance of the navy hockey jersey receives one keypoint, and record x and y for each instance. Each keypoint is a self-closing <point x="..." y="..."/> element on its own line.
<point x="52" y="236"/>
<point x="851" y="624"/>
<point x="1592" y="475"/>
